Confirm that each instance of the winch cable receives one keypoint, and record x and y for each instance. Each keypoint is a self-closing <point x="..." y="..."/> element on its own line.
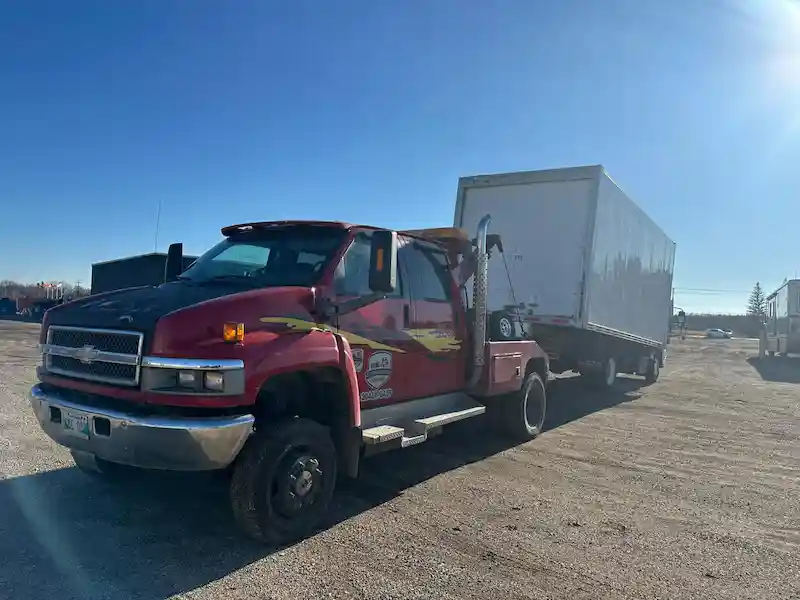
<point x="510" y="283"/>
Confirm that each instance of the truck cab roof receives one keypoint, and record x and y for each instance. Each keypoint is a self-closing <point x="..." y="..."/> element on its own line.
<point x="442" y="235"/>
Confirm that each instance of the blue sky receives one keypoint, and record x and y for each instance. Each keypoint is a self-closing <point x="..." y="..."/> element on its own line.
<point x="369" y="111"/>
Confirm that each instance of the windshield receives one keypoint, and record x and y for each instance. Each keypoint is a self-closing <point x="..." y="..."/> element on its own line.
<point x="294" y="255"/>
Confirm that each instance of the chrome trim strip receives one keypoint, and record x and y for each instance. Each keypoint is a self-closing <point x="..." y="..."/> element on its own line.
<point x="97" y="378"/>
<point x="148" y="441"/>
<point x="192" y="364"/>
<point x="97" y="356"/>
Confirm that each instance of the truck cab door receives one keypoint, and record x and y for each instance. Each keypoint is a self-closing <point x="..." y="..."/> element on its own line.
<point x="438" y="337"/>
<point x="382" y="352"/>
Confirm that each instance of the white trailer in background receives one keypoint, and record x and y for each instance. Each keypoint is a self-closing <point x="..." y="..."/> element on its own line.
<point x="585" y="270"/>
<point x="783" y="320"/>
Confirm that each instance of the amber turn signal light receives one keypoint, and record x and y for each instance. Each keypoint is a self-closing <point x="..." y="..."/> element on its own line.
<point x="233" y="332"/>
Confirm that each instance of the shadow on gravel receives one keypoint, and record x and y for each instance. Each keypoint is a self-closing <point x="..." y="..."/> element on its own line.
<point x="65" y="535"/>
<point x="19" y="319"/>
<point x="783" y="369"/>
<point x="571" y="400"/>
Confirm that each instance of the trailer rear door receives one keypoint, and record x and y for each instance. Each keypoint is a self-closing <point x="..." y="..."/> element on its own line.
<point x="545" y="226"/>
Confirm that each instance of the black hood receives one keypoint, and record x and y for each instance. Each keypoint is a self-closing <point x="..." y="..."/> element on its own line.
<point x="138" y="308"/>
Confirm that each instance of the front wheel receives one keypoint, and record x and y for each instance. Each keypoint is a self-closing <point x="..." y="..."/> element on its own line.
<point x="283" y="481"/>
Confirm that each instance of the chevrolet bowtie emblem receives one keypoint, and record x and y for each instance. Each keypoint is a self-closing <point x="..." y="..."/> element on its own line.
<point x="87" y="355"/>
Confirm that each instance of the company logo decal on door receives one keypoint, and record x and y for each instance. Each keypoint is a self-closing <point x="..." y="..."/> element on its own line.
<point x="358" y="359"/>
<point x="379" y="370"/>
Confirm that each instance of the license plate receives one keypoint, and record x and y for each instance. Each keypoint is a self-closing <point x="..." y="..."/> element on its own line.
<point x="76" y="424"/>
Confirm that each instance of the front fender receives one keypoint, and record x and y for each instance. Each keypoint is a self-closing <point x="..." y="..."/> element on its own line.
<point x="349" y="369"/>
<point x="305" y="351"/>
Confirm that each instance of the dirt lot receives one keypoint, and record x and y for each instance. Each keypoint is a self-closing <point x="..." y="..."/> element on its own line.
<point x="684" y="489"/>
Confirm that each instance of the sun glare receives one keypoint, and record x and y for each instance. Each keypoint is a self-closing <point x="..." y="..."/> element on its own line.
<point x="785" y="18"/>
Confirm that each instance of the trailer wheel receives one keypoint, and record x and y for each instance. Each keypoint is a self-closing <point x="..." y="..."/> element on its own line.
<point x="501" y="327"/>
<point x="521" y="414"/>
<point x="283" y="481"/>
<point x="605" y="377"/>
<point x="653" y="369"/>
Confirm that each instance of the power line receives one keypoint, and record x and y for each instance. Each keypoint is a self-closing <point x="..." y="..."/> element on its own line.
<point x="710" y="291"/>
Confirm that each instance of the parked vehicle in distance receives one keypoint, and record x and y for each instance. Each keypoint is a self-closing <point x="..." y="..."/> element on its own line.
<point x="587" y="271"/>
<point x="287" y="353"/>
<point x="718" y="333"/>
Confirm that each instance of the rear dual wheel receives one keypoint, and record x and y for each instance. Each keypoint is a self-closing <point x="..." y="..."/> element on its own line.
<point x="521" y="415"/>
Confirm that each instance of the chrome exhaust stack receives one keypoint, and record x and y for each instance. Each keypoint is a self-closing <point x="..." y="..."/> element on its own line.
<point x="479" y="300"/>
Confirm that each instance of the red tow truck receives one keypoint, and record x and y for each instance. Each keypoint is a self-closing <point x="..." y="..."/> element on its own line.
<point x="286" y="354"/>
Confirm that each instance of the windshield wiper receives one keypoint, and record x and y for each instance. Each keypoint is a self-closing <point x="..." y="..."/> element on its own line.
<point x="227" y="278"/>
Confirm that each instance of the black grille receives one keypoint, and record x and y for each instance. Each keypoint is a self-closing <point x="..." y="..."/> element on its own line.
<point x="102" y="370"/>
<point x="122" y="343"/>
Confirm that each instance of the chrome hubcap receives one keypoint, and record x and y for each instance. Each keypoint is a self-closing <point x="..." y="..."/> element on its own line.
<point x="297" y="488"/>
<point x="304" y="483"/>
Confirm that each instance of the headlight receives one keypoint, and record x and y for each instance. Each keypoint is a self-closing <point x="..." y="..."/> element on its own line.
<point x="187" y="379"/>
<point x="165" y="375"/>
<point x="214" y="381"/>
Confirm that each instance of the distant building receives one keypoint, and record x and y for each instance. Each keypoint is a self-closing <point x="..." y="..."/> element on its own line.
<point x="144" y="269"/>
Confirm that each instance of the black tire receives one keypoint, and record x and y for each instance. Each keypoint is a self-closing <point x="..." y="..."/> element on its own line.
<point x="606" y="377"/>
<point x="283" y="481"/>
<point x="501" y="327"/>
<point x="771" y="353"/>
<point x="521" y="415"/>
<point x="653" y="370"/>
<point x="99" y="468"/>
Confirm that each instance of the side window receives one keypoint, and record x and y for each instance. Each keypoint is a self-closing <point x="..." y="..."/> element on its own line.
<point x="351" y="277"/>
<point x="427" y="273"/>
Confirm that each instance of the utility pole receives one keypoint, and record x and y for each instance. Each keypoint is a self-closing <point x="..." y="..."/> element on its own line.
<point x="158" y="223"/>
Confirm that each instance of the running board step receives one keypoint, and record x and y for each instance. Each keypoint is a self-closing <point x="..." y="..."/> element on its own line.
<point x="381" y="434"/>
<point x="424" y="425"/>
<point x="413" y="441"/>
<point x="410" y="423"/>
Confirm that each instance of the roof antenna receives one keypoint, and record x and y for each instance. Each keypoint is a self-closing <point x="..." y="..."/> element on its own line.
<point x="158" y="222"/>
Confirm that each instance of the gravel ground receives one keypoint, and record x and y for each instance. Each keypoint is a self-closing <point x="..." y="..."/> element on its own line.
<point x="684" y="489"/>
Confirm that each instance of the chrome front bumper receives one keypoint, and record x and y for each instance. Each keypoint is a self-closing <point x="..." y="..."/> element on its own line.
<point x="152" y="442"/>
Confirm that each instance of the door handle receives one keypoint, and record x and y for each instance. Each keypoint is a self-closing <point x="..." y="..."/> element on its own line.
<point x="406" y="315"/>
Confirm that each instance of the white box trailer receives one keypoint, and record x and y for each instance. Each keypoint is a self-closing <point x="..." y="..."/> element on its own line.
<point x="782" y="323"/>
<point x="584" y="269"/>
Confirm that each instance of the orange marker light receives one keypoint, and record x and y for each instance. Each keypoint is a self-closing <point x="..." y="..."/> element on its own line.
<point x="379" y="259"/>
<point x="233" y="332"/>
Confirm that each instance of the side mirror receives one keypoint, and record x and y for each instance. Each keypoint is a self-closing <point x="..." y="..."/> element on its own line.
<point x="174" y="266"/>
<point x="383" y="262"/>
